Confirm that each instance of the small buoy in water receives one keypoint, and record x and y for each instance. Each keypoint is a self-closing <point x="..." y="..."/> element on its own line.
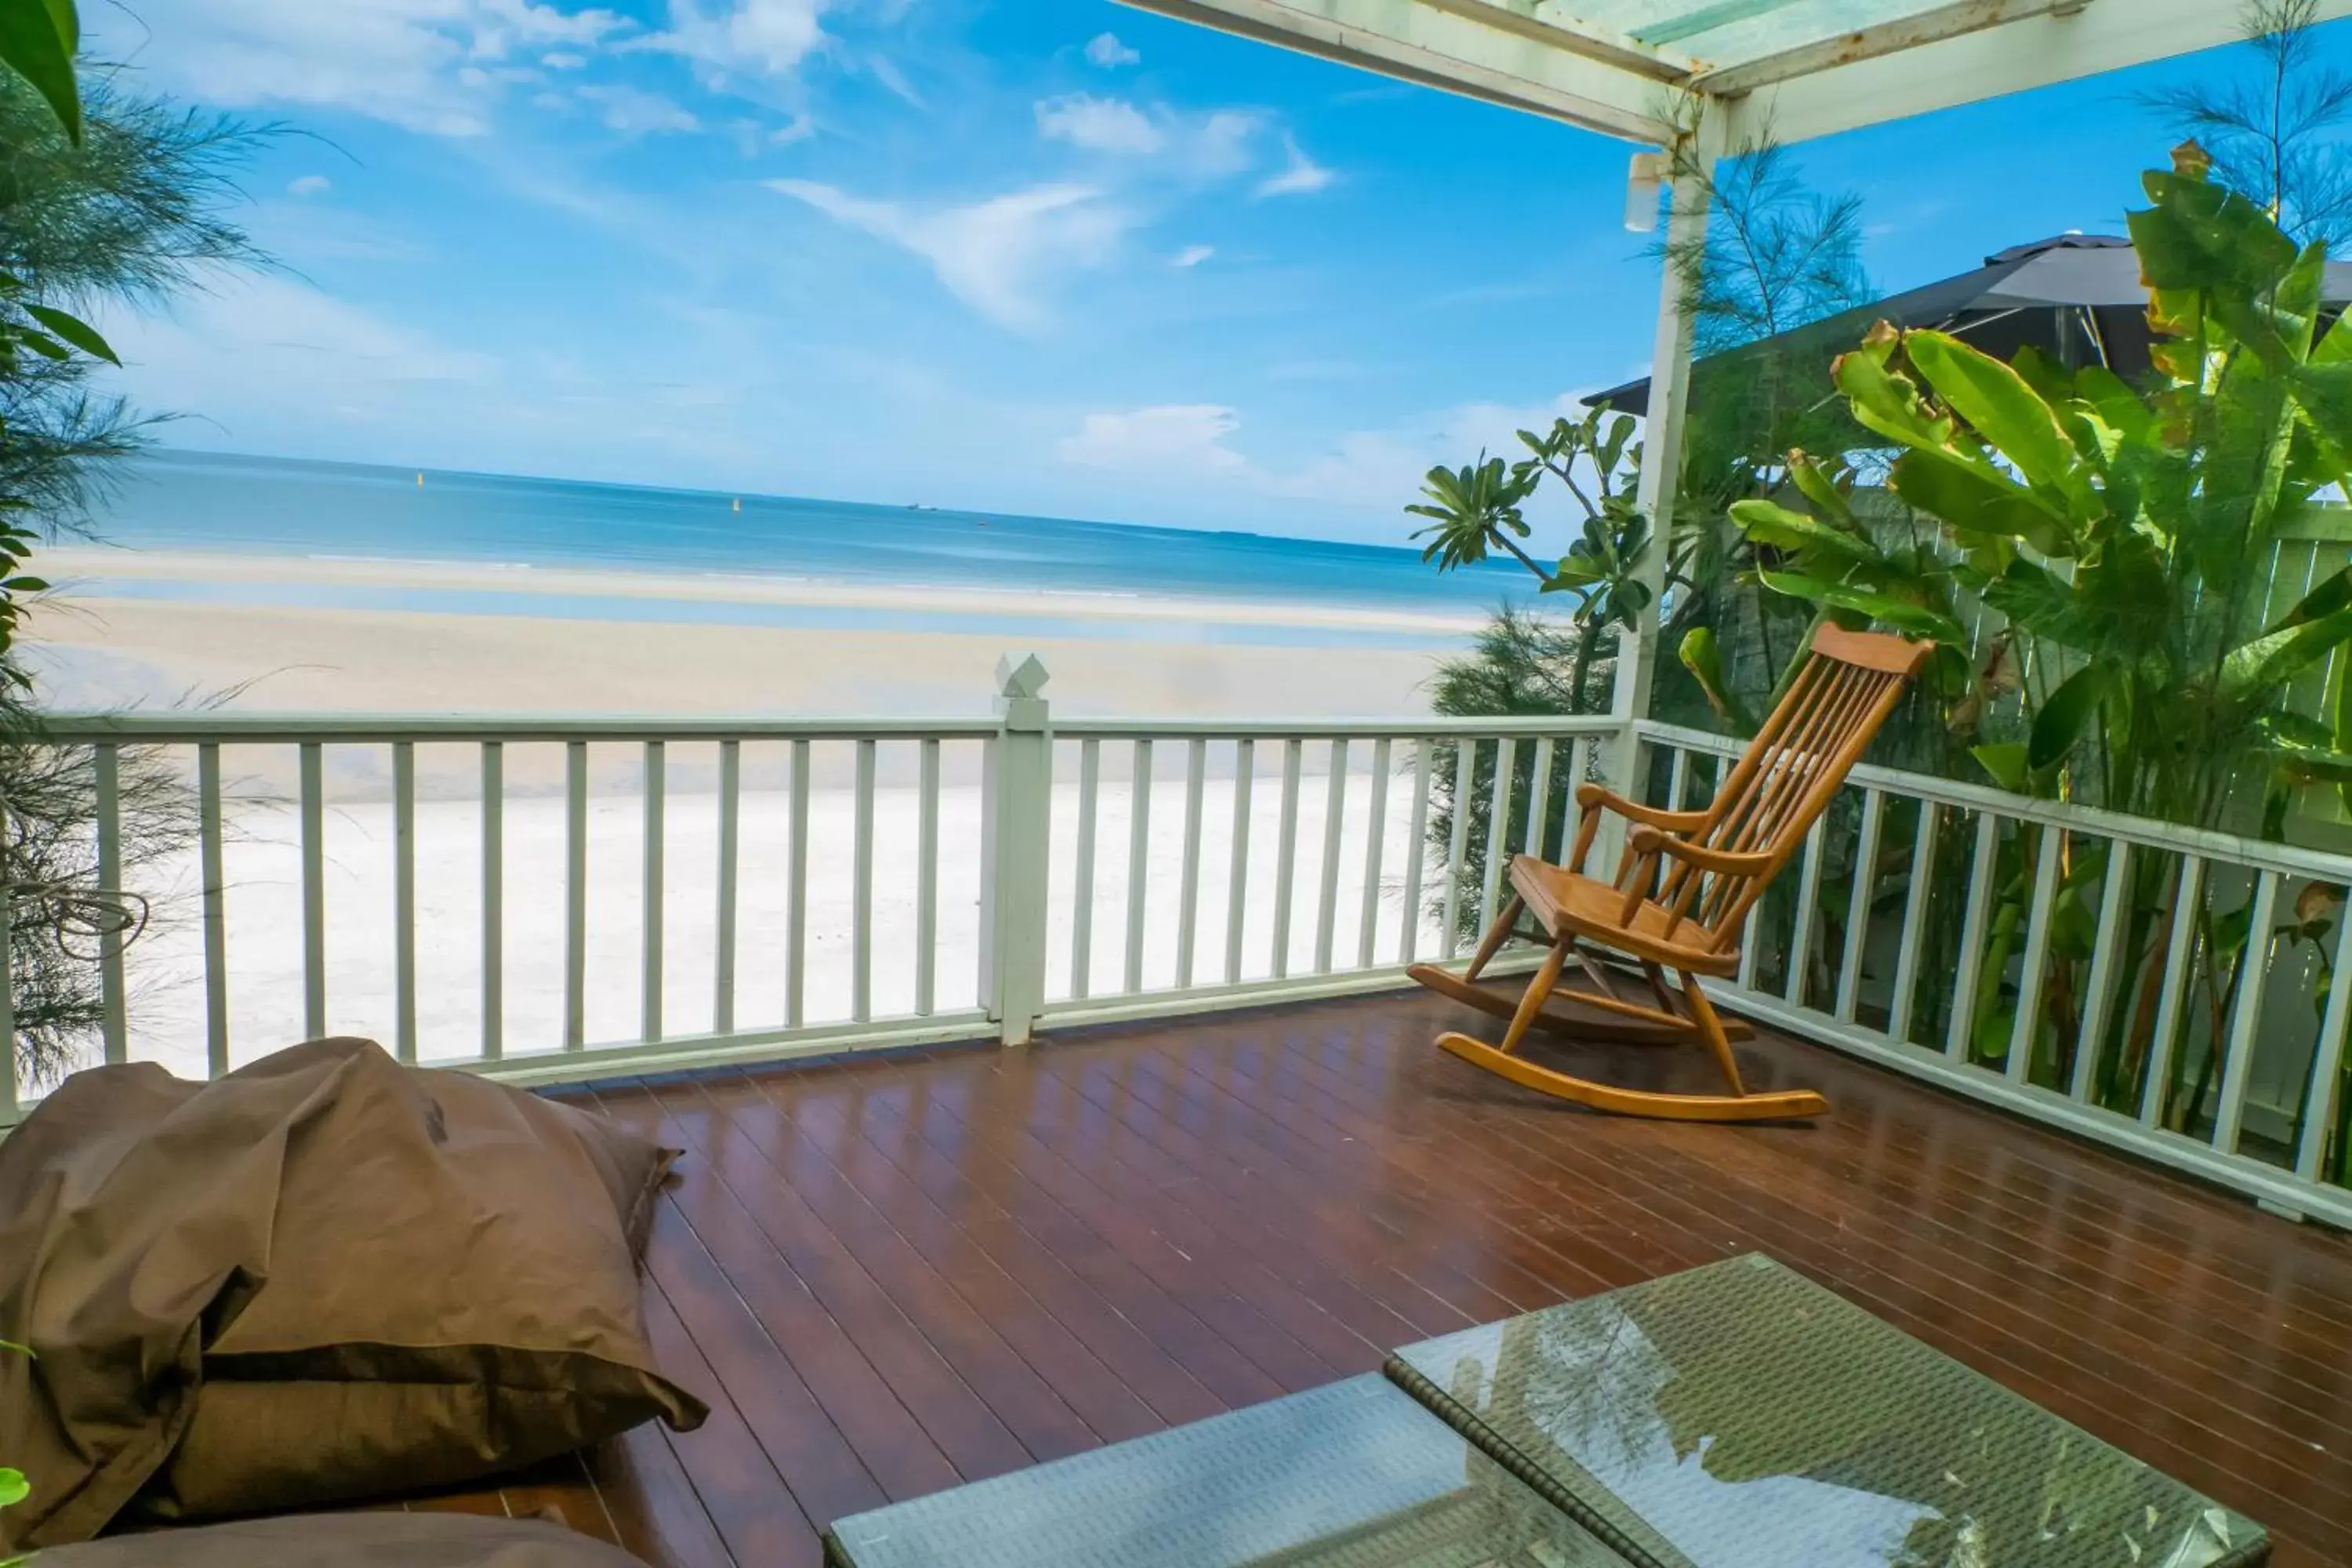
<point x="420" y="478"/>
<point x="739" y="503"/>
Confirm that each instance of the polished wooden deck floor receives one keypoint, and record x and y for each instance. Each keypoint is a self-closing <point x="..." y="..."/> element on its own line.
<point x="890" y="1275"/>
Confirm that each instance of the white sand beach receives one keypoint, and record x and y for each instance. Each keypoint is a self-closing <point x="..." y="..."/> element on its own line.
<point x="104" y="651"/>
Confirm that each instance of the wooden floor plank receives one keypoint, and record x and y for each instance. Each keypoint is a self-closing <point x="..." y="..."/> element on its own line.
<point x="655" y="1513"/>
<point x="1169" y="1357"/>
<point x="937" y="1300"/>
<point x="1853" y="1255"/>
<point x="974" y="1438"/>
<point x="1321" y="1301"/>
<point x="2207" y="1366"/>
<point x="749" y="1504"/>
<point x="560" y="1493"/>
<point x="1331" y="1201"/>
<point x="1061" y="1145"/>
<point x="897" y="1271"/>
<point x="841" y="1127"/>
<point x="878" y="1433"/>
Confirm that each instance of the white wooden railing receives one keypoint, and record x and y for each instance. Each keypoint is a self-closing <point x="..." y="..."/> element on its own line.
<point x="549" y="899"/>
<point x="2238" y="1083"/>
<point x="553" y="899"/>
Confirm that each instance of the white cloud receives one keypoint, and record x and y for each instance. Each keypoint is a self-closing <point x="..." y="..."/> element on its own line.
<point x="1384" y="467"/>
<point x="1192" y="256"/>
<point x="1184" y="437"/>
<point x="886" y="71"/>
<point x="997" y="255"/>
<point x="1211" y="146"/>
<point x="269" y="348"/>
<point x="636" y="113"/>
<point x="305" y="231"/>
<point x="535" y="23"/>
<point x="504" y="23"/>
<point x="754" y="38"/>
<point x="1098" y="124"/>
<point x="1105" y="50"/>
<point x="1219" y="145"/>
<point x="754" y="136"/>
<point x="1302" y="177"/>
<point x="491" y="76"/>
<point x="564" y="61"/>
<point x="1363" y="470"/>
<point x="310" y="185"/>
<point x="396" y="61"/>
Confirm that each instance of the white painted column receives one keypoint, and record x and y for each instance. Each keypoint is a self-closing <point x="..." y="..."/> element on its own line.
<point x="1662" y="447"/>
<point x="1015" y="820"/>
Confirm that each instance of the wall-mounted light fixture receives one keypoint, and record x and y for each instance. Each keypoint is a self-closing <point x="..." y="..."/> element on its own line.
<point x="1643" y="183"/>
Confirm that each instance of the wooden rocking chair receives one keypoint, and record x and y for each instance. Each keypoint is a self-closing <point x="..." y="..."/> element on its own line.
<point x="1682" y="895"/>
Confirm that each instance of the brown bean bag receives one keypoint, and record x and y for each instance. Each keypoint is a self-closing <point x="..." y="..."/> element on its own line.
<point x="325" y="1276"/>
<point x="351" y="1540"/>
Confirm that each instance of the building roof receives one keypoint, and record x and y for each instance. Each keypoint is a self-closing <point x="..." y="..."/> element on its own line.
<point x="2076" y="297"/>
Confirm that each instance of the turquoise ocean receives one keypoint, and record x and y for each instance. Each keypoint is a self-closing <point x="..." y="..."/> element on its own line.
<point x="282" y="506"/>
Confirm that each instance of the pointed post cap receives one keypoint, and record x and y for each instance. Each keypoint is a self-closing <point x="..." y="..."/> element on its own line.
<point x="1021" y="675"/>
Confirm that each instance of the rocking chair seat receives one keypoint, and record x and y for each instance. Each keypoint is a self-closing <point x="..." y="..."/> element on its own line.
<point x="1569" y="904"/>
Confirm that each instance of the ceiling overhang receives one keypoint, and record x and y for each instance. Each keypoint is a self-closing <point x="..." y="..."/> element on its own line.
<point x="1805" y="68"/>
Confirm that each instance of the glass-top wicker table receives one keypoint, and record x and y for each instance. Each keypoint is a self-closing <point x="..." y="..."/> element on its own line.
<point x="1740" y="1414"/>
<point x="1737" y="1416"/>
<point x="1352" y="1475"/>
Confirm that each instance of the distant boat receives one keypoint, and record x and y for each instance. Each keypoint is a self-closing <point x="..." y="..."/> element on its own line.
<point x="739" y="503"/>
<point x="420" y="478"/>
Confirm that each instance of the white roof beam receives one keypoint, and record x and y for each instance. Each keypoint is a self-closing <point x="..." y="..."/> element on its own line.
<point x="1496" y="53"/>
<point x="1928" y="27"/>
<point x="2035" y="50"/>
<point x="1551" y="22"/>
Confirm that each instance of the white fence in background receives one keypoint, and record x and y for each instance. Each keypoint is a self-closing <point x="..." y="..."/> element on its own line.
<point x="2237" y="1083"/>
<point x="553" y="899"/>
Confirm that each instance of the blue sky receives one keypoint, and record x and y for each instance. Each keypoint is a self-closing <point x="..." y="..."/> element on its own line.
<point x="1042" y="256"/>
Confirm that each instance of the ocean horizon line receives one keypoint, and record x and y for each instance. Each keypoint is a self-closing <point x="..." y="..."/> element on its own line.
<point x="209" y="454"/>
<point x="514" y="530"/>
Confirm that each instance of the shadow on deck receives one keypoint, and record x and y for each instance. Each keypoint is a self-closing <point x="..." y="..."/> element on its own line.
<point x="892" y="1274"/>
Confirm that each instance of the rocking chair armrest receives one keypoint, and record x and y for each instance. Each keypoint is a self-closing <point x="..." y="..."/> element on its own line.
<point x="1588" y="796"/>
<point x="1651" y="841"/>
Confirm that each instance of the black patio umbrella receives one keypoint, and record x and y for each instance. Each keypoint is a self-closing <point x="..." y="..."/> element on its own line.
<point x="2078" y="298"/>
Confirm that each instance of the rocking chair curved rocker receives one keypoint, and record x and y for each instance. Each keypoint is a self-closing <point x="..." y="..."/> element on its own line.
<point x="1684" y="889"/>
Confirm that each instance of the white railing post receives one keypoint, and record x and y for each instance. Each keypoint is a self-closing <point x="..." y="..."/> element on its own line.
<point x="1015" y="822"/>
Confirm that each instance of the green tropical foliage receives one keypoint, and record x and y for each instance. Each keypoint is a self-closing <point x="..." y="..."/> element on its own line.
<point x="129" y="212"/>
<point x="28" y="327"/>
<point x="1519" y="667"/>
<point x="1479" y="511"/>
<point x="38" y="39"/>
<point x="1525" y="662"/>
<point x="1772" y="284"/>
<point x="37" y="42"/>
<point x="2276" y="132"/>
<point x="2125" y="534"/>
